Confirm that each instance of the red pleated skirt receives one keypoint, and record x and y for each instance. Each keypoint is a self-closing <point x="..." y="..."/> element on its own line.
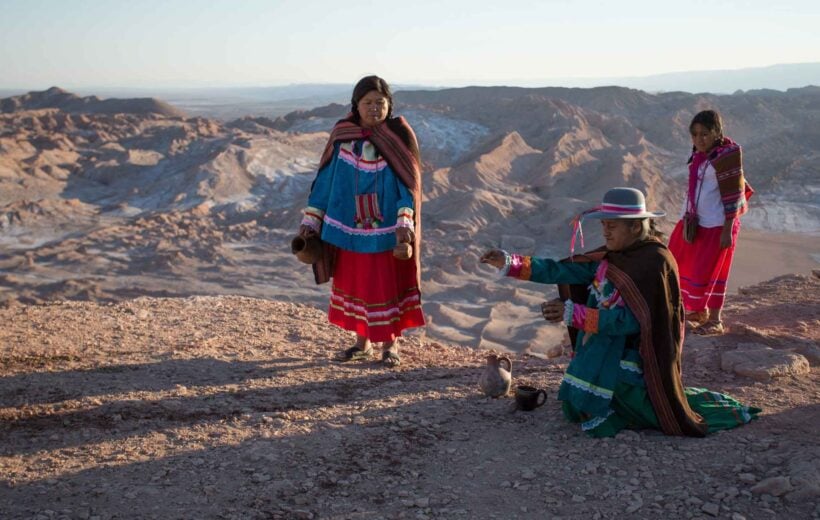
<point x="704" y="267"/>
<point x="375" y="295"/>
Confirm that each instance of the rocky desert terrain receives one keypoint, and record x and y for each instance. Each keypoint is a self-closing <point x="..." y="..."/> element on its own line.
<point x="105" y="200"/>
<point x="163" y="354"/>
<point x="235" y="407"/>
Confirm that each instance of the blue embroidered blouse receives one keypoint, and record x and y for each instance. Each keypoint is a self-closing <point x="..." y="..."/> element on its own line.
<point x="357" y="201"/>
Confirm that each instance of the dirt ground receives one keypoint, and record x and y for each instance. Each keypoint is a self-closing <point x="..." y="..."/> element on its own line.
<point x="236" y="408"/>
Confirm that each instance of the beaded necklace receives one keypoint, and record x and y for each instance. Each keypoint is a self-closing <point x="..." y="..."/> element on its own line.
<point x="606" y="295"/>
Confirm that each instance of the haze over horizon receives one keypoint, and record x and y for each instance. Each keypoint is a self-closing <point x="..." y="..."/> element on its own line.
<point x="179" y="44"/>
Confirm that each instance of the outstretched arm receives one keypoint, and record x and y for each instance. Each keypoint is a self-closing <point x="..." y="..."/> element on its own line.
<point x="540" y="270"/>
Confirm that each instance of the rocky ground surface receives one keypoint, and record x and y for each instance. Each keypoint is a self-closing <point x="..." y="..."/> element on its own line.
<point x="235" y="407"/>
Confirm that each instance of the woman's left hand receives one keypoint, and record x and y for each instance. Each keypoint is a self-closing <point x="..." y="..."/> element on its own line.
<point x="726" y="235"/>
<point x="404" y="235"/>
<point x="306" y="231"/>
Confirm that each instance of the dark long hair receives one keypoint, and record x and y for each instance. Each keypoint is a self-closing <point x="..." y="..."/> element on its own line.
<point x="369" y="83"/>
<point x="365" y="85"/>
<point x="656" y="233"/>
<point x="711" y="120"/>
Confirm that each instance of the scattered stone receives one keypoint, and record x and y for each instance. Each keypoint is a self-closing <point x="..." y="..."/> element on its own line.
<point x="747" y="478"/>
<point x="804" y="476"/>
<point x="774" y="486"/>
<point x="763" y="363"/>
<point x="710" y="508"/>
<point x="811" y="351"/>
<point x="260" y="477"/>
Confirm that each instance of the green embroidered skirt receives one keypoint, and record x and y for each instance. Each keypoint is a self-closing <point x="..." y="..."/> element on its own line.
<point x="631" y="408"/>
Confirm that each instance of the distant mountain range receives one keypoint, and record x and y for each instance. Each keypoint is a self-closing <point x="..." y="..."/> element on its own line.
<point x="569" y="130"/>
<point x="576" y="142"/>
<point x="115" y="198"/>
<point x="774" y="77"/>
<point x="56" y="97"/>
<point x="555" y="148"/>
<point x="228" y="103"/>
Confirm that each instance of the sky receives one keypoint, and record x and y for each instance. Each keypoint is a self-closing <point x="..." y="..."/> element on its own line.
<point x="216" y="43"/>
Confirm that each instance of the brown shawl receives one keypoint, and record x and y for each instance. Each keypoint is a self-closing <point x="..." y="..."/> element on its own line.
<point x="646" y="275"/>
<point x="727" y="160"/>
<point x="397" y="143"/>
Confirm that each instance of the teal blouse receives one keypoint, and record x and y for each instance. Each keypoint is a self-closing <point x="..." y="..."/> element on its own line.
<point x="606" y="348"/>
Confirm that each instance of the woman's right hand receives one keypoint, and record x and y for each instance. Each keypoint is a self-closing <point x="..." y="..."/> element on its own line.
<point x="306" y="231"/>
<point x="553" y="310"/>
<point x="494" y="257"/>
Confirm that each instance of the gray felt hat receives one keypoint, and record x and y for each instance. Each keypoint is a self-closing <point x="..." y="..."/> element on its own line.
<point x="623" y="203"/>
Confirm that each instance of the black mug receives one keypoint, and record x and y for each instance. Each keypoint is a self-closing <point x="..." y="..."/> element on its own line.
<point x="528" y="398"/>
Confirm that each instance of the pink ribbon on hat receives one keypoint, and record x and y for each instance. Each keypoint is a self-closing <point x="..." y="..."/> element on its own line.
<point x="577" y="228"/>
<point x="615" y="209"/>
<point x="620" y="210"/>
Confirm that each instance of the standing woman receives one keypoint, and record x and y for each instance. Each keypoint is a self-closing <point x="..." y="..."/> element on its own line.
<point x="365" y="200"/>
<point x="717" y="196"/>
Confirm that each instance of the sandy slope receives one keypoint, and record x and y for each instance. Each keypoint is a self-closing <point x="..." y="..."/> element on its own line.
<point x="199" y="253"/>
<point x="230" y="407"/>
<point x="762" y="255"/>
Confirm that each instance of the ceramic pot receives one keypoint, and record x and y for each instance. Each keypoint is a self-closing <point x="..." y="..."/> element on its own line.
<point x="306" y="249"/>
<point x="403" y="251"/>
<point x="496" y="379"/>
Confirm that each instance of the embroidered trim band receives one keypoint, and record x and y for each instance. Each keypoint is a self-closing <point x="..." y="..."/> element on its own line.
<point x="591" y="321"/>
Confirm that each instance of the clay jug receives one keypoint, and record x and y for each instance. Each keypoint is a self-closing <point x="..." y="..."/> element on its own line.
<point x="403" y="251"/>
<point x="307" y="249"/>
<point x="496" y="379"/>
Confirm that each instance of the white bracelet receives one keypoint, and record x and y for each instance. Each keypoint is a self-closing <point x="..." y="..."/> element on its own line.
<point x="569" y="308"/>
<point x="504" y="271"/>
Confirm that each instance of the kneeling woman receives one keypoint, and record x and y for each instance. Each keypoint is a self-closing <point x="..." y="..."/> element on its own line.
<point x="628" y="328"/>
